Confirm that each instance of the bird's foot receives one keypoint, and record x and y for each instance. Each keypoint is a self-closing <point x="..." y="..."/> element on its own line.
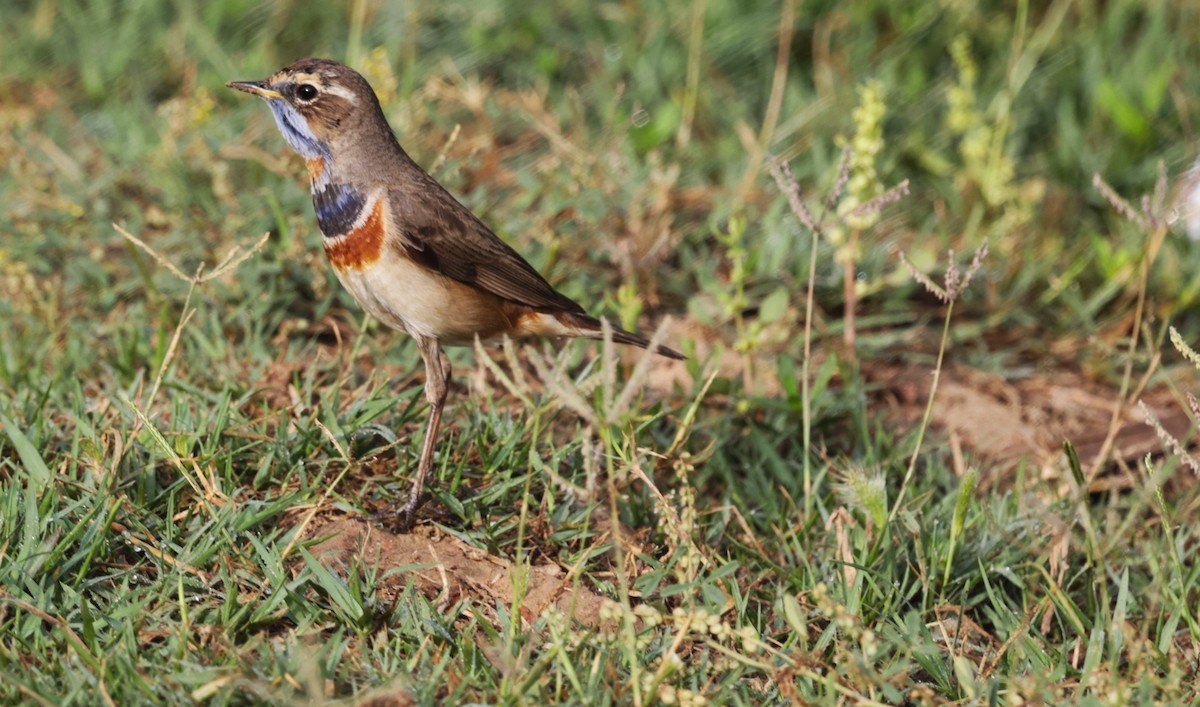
<point x="403" y="518"/>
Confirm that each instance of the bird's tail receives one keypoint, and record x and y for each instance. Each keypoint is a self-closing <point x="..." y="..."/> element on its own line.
<point x="589" y="327"/>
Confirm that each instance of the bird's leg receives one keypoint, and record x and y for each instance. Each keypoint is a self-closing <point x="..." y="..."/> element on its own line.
<point x="437" y="378"/>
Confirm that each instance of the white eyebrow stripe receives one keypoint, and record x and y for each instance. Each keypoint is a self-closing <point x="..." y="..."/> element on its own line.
<point x="343" y="92"/>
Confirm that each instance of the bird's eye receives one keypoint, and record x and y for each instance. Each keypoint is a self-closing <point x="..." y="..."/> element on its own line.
<point x="306" y="92"/>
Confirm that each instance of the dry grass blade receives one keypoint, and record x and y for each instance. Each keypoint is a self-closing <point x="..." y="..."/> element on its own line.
<point x="932" y="287"/>
<point x="1118" y="203"/>
<point x="839" y="185"/>
<point x="232" y="260"/>
<point x="641" y="372"/>
<point x="559" y="385"/>
<point x="976" y="263"/>
<point x="514" y="384"/>
<point x="158" y="258"/>
<point x="689" y="417"/>
<point x="445" y="151"/>
<point x="875" y="205"/>
<point x="790" y="186"/>
<point x="1168" y="440"/>
<point x="348" y="464"/>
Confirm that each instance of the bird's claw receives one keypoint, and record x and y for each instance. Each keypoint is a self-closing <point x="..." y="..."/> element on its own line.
<point x="402" y="519"/>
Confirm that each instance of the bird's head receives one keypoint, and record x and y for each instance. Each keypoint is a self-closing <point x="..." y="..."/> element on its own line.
<point x="316" y="102"/>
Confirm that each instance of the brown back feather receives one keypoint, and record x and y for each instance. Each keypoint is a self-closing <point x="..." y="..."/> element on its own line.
<point x="440" y="233"/>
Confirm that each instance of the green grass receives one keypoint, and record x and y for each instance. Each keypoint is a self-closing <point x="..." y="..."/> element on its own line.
<point x="164" y="439"/>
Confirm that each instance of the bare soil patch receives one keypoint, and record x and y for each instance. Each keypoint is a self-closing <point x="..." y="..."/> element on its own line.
<point x="447" y="570"/>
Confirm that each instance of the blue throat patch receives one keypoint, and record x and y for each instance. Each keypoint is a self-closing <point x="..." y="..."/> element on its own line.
<point x="338" y="206"/>
<point x="296" y="131"/>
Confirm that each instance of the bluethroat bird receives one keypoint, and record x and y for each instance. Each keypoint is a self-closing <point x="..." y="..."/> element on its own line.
<point x="411" y="254"/>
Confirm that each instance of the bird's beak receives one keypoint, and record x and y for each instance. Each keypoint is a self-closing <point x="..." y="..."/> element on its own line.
<point x="258" y="88"/>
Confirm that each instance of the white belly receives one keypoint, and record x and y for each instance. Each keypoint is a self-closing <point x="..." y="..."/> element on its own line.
<point x="411" y="298"/>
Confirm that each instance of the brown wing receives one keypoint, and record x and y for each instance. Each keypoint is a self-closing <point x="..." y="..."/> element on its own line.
<point x="440" y="233"/>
